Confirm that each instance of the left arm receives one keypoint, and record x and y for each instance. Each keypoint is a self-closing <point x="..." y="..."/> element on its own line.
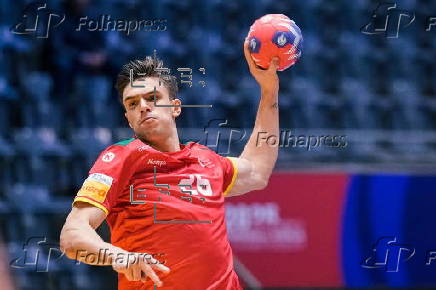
<point x="258" y="159"/>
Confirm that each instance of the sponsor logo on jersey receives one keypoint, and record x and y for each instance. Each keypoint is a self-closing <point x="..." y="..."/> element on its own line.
<point x="206" y="163"/>
<point x="142" y="148"/>
<point x="108" y="157"/>
<point x="96" y="186"/>
<point x="160" y="163"/>
<point x="102" y="178"/>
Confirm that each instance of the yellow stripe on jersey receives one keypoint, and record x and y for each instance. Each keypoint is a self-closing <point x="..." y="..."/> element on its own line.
<point x="235" y="174"/>
<point x="92" y="202"/>
<point x="94" y="189"/>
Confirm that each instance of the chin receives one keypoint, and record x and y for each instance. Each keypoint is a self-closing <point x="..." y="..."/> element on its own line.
<point x="148" y="135"/>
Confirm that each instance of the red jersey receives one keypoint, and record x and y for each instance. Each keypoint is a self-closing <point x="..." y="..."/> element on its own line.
<point x="170" y="205"/>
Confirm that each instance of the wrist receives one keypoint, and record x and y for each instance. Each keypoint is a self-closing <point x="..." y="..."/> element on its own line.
<point x="108" y="253"/>
<point x="269" y="92"/>
<point x="115" y="252"/>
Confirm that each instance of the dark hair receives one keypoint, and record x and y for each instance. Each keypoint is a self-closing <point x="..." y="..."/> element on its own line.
<point x="142" y="68"/>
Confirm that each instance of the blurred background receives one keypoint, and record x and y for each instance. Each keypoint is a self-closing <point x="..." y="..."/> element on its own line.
<point x="358" y="215"/>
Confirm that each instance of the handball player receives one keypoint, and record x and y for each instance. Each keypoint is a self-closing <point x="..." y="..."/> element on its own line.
<point x="164" y="201"/>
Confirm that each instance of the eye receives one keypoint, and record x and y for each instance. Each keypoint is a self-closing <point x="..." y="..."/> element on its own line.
<point x="150" y="98"/>
<point x="132" y="104"/>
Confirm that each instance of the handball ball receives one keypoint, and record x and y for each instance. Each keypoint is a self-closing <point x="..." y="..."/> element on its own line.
<point x="275" y="35"/>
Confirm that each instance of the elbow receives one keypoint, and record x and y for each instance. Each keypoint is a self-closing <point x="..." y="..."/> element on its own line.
<point x="66" y="244"/>
<point x="262" y="184"/>
<point x="261" y="178"/>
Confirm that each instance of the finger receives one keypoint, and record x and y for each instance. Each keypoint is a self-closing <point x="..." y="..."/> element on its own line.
<point x="136" y="273"/>
<point x="129" y="274"/>
<point x="247" y="54"/>
<point x="162" y="268"/>
<point x="274" y="65"/>
<point x="143" y="276"/>
<point x="150" y="273"/>
<point x="119" y="267"/>
<point x="157" y="265"/>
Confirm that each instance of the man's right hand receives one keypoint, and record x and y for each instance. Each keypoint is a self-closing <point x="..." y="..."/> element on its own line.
<point x="138" y="266"/>
<point x="79" y="239"/>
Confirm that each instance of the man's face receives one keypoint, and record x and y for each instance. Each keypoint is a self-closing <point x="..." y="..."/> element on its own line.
<point x="149" y="121"/>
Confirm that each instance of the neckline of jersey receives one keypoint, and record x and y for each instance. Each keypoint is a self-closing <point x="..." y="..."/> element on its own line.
<point x="183" y="148"/>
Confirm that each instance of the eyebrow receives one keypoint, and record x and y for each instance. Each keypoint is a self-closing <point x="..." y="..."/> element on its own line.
<point x="158" y="94"/>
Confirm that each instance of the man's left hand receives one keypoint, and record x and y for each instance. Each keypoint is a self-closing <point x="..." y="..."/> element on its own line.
<point x="268" y="79"/>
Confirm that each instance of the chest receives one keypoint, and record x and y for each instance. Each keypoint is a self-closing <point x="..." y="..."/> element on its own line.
<point x="196" y="179"/>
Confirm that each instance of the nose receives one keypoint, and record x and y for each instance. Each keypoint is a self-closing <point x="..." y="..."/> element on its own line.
<point x="145" y="106"/>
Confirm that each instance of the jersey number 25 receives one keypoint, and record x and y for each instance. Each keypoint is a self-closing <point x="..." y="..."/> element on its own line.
<point x="203" y="185"/>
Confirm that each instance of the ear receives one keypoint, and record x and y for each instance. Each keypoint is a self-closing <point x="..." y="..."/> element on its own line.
<point x="125" y="115"/>
<point x="176" y="110"/>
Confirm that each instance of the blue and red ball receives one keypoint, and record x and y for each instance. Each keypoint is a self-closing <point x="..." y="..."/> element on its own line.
<point x="275" y="35"/>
